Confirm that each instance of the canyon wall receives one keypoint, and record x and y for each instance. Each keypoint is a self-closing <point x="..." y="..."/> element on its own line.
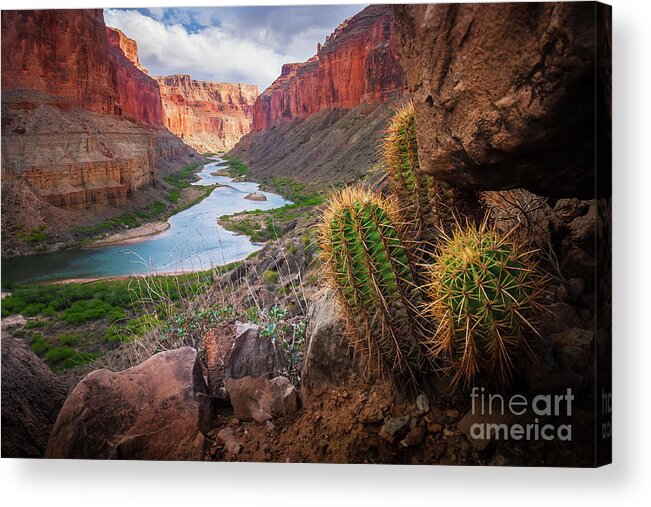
<point x="82" y="125"/>
<point x="63" y="54"/>
<point x="208" y="116"/>
<point x="138" y="95"/>
<point x="356" y="64"/>
<point x="322" y="120"/>
<point x="128" y="46"/>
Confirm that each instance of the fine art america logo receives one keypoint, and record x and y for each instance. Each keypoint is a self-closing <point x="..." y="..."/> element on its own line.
<point x="520" y="418"/>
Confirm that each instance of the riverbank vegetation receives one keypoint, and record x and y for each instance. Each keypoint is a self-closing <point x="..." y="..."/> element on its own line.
<point x="267" y="225"/>
<point x="91" y="318"/>
<point x="180" y="196"/>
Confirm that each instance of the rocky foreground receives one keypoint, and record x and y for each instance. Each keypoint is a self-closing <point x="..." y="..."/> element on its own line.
<point x="235" y="397"/>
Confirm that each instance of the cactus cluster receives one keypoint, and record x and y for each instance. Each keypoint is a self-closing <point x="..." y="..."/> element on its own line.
<point x="369" y="264"/>
<point x="483" y="293"/>
<point x="469" y="310"/>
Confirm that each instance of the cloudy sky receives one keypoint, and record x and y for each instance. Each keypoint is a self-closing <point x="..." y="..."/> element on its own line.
<point x="233" y="44"/>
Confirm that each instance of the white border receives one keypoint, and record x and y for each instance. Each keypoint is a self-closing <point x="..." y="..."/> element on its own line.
<point x="68" y="483"/>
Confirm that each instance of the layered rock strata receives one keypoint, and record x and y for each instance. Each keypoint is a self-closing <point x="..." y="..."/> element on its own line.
<point x="208" y="116"/>
<point x="81" y="122"/>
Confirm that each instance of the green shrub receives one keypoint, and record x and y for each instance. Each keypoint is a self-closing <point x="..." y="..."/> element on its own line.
<point x="67" y="339"/>
<point x="35" y="324"/>
<point x="36" y="235"/>
<point x="38" y="344"/>
<point x="59" y="354"/>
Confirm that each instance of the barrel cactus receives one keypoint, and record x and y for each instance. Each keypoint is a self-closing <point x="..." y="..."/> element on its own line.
<point x="484" y="292"/>
<point x="368" y="264"/>
<point x="411" y="187"/>
<point x="429" y="206"/>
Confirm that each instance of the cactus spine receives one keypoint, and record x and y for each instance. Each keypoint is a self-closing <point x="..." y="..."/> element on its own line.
<point x="368" y="264"/>
<point x="412" y="188"/>
<point x="483" y="291"/>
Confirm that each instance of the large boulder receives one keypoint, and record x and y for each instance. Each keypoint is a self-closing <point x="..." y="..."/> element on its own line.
<point x="259" y="399"/>
<point x="327" y="359"/>
<point x="505" y="93"/>
<point x="252" y="354"/>
<point x="31" y="398"/>
<point x="157" y="410"/>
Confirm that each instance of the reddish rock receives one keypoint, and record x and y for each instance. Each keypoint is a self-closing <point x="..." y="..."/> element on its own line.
<point x="62" y="53"/>
<point x="156" y="410"/>
<point x="128" y="46"/>
<point x="208" y="116"/>
<point x="505" y="93"/>
<point x="137" y="94"/>
<point x="357" y="64"/>
<point x="218" y="345"/>
<point x="31" y="398"/>
<point x="258" y="399"/>
<point x="66" y="95"/>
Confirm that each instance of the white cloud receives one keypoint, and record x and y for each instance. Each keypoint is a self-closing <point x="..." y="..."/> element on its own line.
<point x="236" y="44"/>
<point x="209" y="53"/>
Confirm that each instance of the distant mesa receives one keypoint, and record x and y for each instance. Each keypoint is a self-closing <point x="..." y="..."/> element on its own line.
<point x="208" y="116"/>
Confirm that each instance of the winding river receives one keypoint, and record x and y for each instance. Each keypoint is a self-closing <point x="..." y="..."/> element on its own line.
<point x="193" y="242"/>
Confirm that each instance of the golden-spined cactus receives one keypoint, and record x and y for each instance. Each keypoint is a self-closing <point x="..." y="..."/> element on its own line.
<point x="368" y="264"/>
<point x="483" y="294"/>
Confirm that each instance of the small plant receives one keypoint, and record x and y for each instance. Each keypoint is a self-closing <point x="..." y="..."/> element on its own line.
<point x="39" y="344"/>
<point x="67" y="339"/>
<point x="484" y="290"/>
<point x="368" y="264"/>
<point x="35" y="235"/>
<point x="270" y="277"/>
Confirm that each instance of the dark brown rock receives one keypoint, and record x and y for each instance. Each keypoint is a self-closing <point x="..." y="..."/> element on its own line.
<point x="470" y="424"/>
<point x="31" y="398"/>
<point x="218" y="345"/>
<point x="258" y="399"/>
<point x="414" y="437"/>
<point x="504" y="93"/>
<point x="156" y="410"/>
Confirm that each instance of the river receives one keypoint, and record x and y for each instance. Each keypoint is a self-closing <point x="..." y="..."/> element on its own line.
<point x="193" y="242"/>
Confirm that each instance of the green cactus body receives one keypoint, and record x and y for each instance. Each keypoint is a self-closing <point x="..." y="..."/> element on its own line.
<point x="484" y="290"/>
<point x="369" y="266"/>
<point x="412" y="187"/>
<point x="428" y="206"/>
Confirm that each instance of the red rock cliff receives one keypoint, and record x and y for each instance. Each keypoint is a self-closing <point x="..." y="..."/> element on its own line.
<point x="67" y="142"/>
<point x="356" y="64"/>
<point x="128" y="46"/>
<point x="208" y="116"/>
<point x="138" y="95"/>
<point x="61" y="53"/>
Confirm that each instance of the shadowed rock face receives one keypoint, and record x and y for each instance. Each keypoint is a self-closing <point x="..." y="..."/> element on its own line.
<point x="208" y="116"/>
<point x="31" y="398"/>
<point x="357" y="64"/>
<point x="504" y="93"/>
<point x="60" y="53"/>
<point x="137" y="93"/>
<point x="156" y="410"/>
